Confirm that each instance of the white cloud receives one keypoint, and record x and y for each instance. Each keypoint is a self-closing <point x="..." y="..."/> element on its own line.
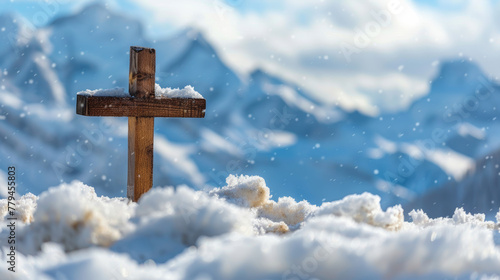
<point x="308" y="42"/>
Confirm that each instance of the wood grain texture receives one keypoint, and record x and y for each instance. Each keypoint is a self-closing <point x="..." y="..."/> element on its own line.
<point x="140" y="128"/>
<point x="141" y="80"/>
<point x="140" y="156"/>
<point x="106" y="106"/>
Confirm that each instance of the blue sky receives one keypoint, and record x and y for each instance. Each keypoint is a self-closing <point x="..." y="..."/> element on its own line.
<point x="41" y="12"/>
<point x="364" y="55"/>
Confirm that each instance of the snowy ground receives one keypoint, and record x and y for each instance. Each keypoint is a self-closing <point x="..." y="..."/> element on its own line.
<point x="239" y="232"/>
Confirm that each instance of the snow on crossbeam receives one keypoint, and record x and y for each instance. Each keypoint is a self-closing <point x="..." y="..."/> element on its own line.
<point x="116" y="92"/>
<point x="186" y="92"/>
<point x="167" y="102"/>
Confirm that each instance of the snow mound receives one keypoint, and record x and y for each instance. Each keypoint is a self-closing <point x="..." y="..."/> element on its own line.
<point x="238" y="232"/>
<point x="116" y="92"/>
<point x="92" y="263"/>
<point x="460" y="217"/>
<point x="25" y="207"/>
<point x="287" y="210"/>
<point x="365" y="208"/>
<point x="287" y="214"/>
<point x="75" y="217"/>
<point x="244" y="191"/>
<point x="252" y="192"/>
<point x="331" y="247"/>
<point x="168" y="221"/>
<point x="186" y="92"/>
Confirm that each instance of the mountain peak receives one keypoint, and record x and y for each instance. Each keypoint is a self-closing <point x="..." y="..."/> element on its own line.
<point x="192" y="33"/>
<point x="16" y="30"/>
<point x="462" y="66"/>
<point x="197" y="38"/>
<point x="458" y="74"/>
<point x="10" y="18"/>
<point x="95" y="8"/>
<point x="97" y="13"/>
<point x="258" y="74"/>
<point x="13" y="22"/>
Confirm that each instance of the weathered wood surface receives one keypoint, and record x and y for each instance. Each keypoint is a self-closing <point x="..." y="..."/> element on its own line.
<point x="107" y="106"/>
<point x="140" y="156"/>
<point x="141" y="84"/>
<point x="141" y="80"/>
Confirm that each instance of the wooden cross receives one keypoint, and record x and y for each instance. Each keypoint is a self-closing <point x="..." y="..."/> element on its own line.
<point x="141" y="107"/>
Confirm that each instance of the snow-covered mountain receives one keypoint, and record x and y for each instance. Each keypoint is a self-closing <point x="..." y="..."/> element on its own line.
<point x="477" y="192"/>
<point x="257" y="125"/>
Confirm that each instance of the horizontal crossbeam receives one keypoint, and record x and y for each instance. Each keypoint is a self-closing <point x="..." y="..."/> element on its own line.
<point x="108" y="106"/>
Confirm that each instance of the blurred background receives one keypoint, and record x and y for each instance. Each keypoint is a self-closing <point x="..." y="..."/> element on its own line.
<point x="321" y="98"/>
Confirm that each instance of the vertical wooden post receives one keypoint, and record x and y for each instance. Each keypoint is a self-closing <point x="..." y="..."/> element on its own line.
<point x="141" y="129"/>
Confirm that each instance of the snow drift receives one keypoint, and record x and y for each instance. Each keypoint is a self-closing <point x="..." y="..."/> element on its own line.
<point x="239" y="232"/>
